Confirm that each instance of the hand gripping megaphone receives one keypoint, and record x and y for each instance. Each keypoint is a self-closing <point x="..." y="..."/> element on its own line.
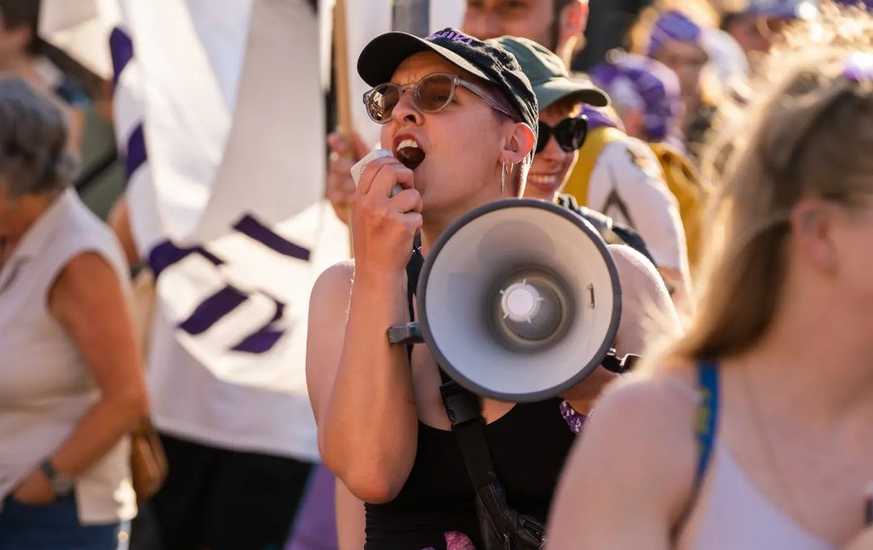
<point x="518" y="300"/>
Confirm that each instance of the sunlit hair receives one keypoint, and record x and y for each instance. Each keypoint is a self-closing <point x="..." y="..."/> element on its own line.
<point x="808" y="133"/>
<point x="567" y="107"/>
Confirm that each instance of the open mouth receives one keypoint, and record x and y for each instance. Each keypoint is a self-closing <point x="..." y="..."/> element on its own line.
<point x="409" y="153"/>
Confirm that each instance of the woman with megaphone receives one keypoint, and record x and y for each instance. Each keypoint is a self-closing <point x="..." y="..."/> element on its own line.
<point x="459" y="118"/>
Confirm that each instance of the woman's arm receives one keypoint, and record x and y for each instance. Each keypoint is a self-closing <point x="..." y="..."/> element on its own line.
<point x="359" y="385"/>
<point x="630" y="474"/>
<point x="119" y="222"/>
<point x="351" y="520"/>
<point x="88" y="301"/>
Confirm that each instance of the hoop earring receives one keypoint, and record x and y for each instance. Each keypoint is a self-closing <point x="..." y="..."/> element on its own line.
<point x="503" y="173"/>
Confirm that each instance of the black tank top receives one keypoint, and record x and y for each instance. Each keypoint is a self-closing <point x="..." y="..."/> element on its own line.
<point x="528" y="444"/>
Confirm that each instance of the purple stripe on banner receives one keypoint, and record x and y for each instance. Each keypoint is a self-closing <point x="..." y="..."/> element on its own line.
<point x="166" y="254"/>
<point x="264" y="235"/>
<point x="212" y="309"/>
<point x="121" y="50"/>
<point x="209" y="256"/>
<point x="263" y="340"/>
<point x="136" y="152"/>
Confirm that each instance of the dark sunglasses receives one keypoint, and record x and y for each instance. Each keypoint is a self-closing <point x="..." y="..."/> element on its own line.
<point x="570" y="133"/>
<point x="431" y="94"/>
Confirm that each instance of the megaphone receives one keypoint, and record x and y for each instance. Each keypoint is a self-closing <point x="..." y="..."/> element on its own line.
<point x="518" y="300"/>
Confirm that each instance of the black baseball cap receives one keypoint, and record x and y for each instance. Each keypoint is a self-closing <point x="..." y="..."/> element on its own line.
<point x="485" y="59"/>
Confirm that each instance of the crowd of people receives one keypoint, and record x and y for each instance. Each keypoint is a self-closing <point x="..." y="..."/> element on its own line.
<point x="720" y="150"/>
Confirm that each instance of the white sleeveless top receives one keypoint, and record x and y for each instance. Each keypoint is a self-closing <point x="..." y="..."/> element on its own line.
<point x="45" y="387"/>
<point x="731" y="512"/>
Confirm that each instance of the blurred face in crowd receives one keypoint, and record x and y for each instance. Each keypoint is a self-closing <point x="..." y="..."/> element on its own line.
<point x="633" y="120"/>
<point x="687" y="61"/>
<point x="556" y="24"/>
<point x="755" y="33"/>
<point x="551" y="167"/>
<point x="12" y="41"/>
<point x="526" y="18"/>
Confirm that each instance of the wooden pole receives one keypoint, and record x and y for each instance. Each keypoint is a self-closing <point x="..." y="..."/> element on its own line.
<point x="345" y="126"/>
<point x="341" y="60"/>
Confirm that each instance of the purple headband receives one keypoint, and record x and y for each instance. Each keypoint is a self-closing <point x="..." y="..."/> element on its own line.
<point x="600" y="118"/>
<point x="784" y="9"/>
<point x="651" y="84"/>
<point x="673" y="26"/>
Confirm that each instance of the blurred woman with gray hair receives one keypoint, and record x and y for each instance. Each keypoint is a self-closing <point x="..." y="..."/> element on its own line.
<point x="71" y="386"/>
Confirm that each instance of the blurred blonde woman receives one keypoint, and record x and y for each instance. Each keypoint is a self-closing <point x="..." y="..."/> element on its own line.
<point x="70" y="380"/>
<point x="753" y="430"/>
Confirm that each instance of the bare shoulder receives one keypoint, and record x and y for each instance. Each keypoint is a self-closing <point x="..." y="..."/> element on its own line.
<point x="651" y="416"/>
<point x="631" y="471"/>
<point x="329" y="301"/>
<point x="85" y="283"/>
<point x="328" y="311"/>
<point x="646" y="400"/>
<point x="337" y="277"/>
<point x="635" y="268"/>
<point x="647" y="312"/>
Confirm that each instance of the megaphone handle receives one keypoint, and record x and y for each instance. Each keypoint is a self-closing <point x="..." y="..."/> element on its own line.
<point x="619" y="365"/>
<point x="407" y="334"/>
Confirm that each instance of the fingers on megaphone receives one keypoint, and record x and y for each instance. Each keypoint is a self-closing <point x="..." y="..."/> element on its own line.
<point x="407" y="200"/>
<point x="365" y="171"/>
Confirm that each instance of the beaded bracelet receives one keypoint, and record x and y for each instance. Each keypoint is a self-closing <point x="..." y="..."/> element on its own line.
<point x="573" y="418"/>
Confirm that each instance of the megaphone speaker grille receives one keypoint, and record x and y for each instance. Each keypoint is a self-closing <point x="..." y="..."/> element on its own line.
<point x="530" y="309"/>
<point x="519" y="300"/>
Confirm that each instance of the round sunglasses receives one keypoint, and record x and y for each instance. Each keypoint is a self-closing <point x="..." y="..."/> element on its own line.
<point x="431" y="94"/>
<point x="570" y="134"/>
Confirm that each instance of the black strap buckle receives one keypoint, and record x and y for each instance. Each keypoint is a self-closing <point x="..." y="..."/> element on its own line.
<point x="613" y="363"/>
<point x="461" y="405"/>
<point x="407" y="334"/>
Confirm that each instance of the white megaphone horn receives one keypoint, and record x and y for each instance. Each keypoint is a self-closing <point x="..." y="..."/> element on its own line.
<point x="518" y="300"/>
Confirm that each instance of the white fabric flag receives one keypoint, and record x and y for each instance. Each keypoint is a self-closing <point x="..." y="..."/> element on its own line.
<point x="81" y="28"/>
<point x="220" y="117"/>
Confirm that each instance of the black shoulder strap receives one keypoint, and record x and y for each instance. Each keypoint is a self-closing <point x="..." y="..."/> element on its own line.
<point x="704" y="431"/>
<point x="413" y="270"/>
<point x="465" y="413"/>
<point x="499" y="524"/>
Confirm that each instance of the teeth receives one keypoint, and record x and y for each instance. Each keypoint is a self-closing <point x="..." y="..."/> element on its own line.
<point x="542" y="179"/>
<point x="407" y="143"/>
